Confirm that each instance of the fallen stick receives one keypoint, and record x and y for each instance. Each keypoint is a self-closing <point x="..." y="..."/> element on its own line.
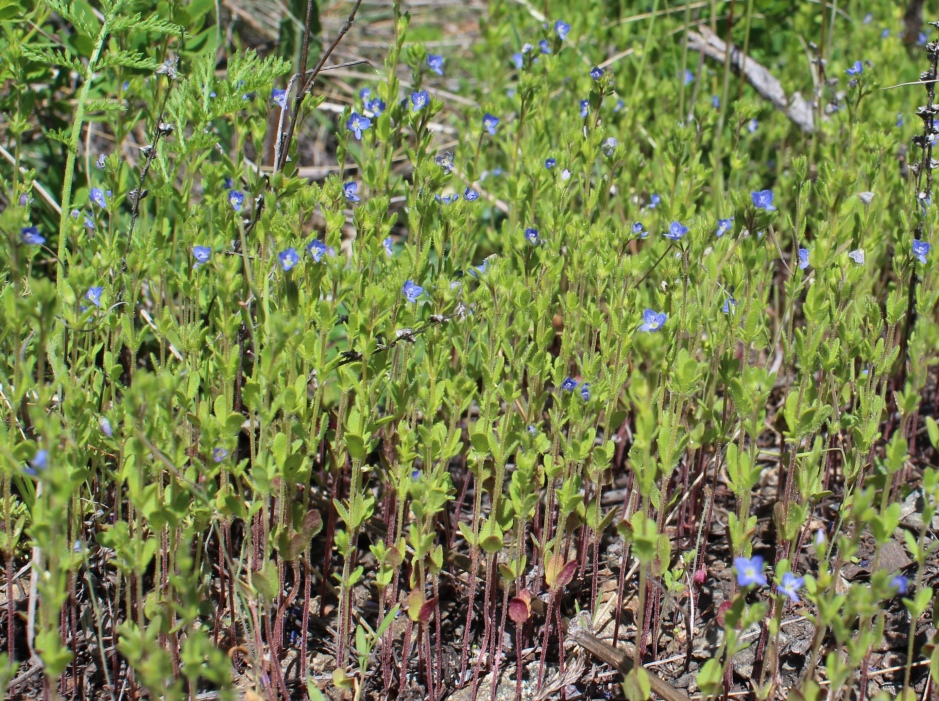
<point x="797" y="108"/>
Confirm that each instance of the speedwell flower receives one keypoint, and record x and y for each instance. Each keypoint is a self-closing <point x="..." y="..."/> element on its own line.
<point x="31" y="236"/>
<point x="789" y="585"/>
<point x="750" y="571"/>
<point x="676" y="231"/>
<point x="411" y="291"/>
<point x="920" y="250"/>
<point x="490" y="122"/>
<point x="288" y="258"/>
<point x="357" y="124"/>
<point x="435" y="63"/>
<point x="419" y="99"/>
<point x="653" y="320"/>
<point x="349" y="189"/>
<point x="763" y="199"/>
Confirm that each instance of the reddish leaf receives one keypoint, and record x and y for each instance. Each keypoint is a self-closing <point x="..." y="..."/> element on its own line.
<point x="427" y="610"/>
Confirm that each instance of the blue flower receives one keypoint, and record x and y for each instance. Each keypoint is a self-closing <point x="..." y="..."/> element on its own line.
<point x="98" y="197"/>
<point x="470" y="195"/>
<point x="868" y="18"/>
<point x="387" y="245"/>
<point x="236" y="199"/>
<point x="531" y="235"/>
<point x="689" y="77"/>
<point x="763" y="199"/>
<point x="349" y="189"/>
<point x="376" y="106"/>
<point x="481" y="269"/>
<point x="279" y="97"/>
<point x="31" y="236"/>
<point x="549" y="163"/>
<point x="803" y="258"/>
<point x="317" y="249"/>
<point x="899" y="119"/>
<point x="921" y="39"/>
<point x="39" y="462"/>
<point x="357" y="124"/>
<point x="201" y="254"/>
<point x="618" y="107"/>
<point x="544" y="46"/>
<point x="219" y="454"/>
<point x="585" y="392"/>
<point x="518" y="60"/>
<point x="676" y="231"/>
<point x="105" y="427"/>
<point x="288" y="258"/>
<point x="596" y="72"/>
<point x="532" y="430"/>
<point x="856" y="69"/>
<point x="901" y="583"/>
<point x="609" y="145"/>
<point x="653" y="320"/>
<point x="569" y="385"/>
<point x="419" y="99"/>
<point x="584" y="108"/>
<point x="435" y="63"/>
<point x="716" y="102"/>
<point x="447" y="199"/>
<point x="724" y="225"/>
<point x="654" y="201"/>
<point x="790" y="585"/>
<point x="640" y="231"/>
<point x="415" y="474"/>
<point x="561" y="28"/>
<point x="750" y="571"/>
<point x="364" y="95"/>
<point x="93" y="295"/>
<point x="411" y="291"/>
<point x="490" y="123"/>
<point x="857" y="256"/>
<point x="752" y="125"/>
<point x="920" y="250"/>
<point x="730" y="305"/>
<point x="885" y="34"/>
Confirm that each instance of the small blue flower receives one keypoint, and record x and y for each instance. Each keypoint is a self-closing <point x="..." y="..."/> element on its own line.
<point x="415" y="474"/>
<point x="387" y="245"/>
<point x="803" y="258"/>
<point x="763" y="199"/>
<point x="900" y="583"/>
<point x="654" y="201"/>
<point x="39" y="462"/>
<point x="584" y="108"/>
<point x="565" y="174"/>
<point x="730" y="305"/>
<point x="549" y="163"/>
<point x="689" y="77"/>
<point x="609" y="145"/>
<point x="364" y="95"/>
<point x="98" y="197"/>
<point x="640" y="231"/>
<point x="470" y="195"/>
<point x="279" y="98"/>
<point x="724" y="225"/>
<point x="532" y="430"/>
<point x="715" y="102"/>
<point x="518" y="60"/>
<point x="868" y="18"/>
<point x="531" y="235"/>
<point x="569" y="385"/>
<point x="490" y="123"/>
<point x="920" y="250"/>
<point x="481" y="269"/>
<point x="31" y="236"/>
<point x="435" y="63"/>
<point x="790" y="585"/>
<point x="653" y="320"/>
<point x="89" y="223"/>
<point x="411" y="291"/>
<point x="585" y="392"/>
<point x="236" y="199"/>
<point x="526" y="48"/>
<point x="544" y="46"/>
<point x="447" y="199"/>
<point x="349" y="189"/>
<point x="856" y="69"/>
<point x="750" y="571"/>
<point x="105" y="427"/>
<point x="857" y="256"/>
<point x="357" y="124"/>
<point x="618" y="107"/>
<point x="219" y="454"/>
<point x="676" y="231"/>
<point x="752" y="125"/>
<point x="288" y="258"/>
<point x="921" y="39"/>
<point x="561" y="28"/>
<point x="419" y="99"/>
<point x="93" y="295"/>
<point x="317" y="249"/>
<point x="596" y="72"/>
<point x="201" y="254"/>
<point x="376" y="106"/>
<point x="899" y="119"/>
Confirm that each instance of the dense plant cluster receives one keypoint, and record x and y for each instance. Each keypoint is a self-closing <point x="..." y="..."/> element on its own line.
<point x="579" y="321"/>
